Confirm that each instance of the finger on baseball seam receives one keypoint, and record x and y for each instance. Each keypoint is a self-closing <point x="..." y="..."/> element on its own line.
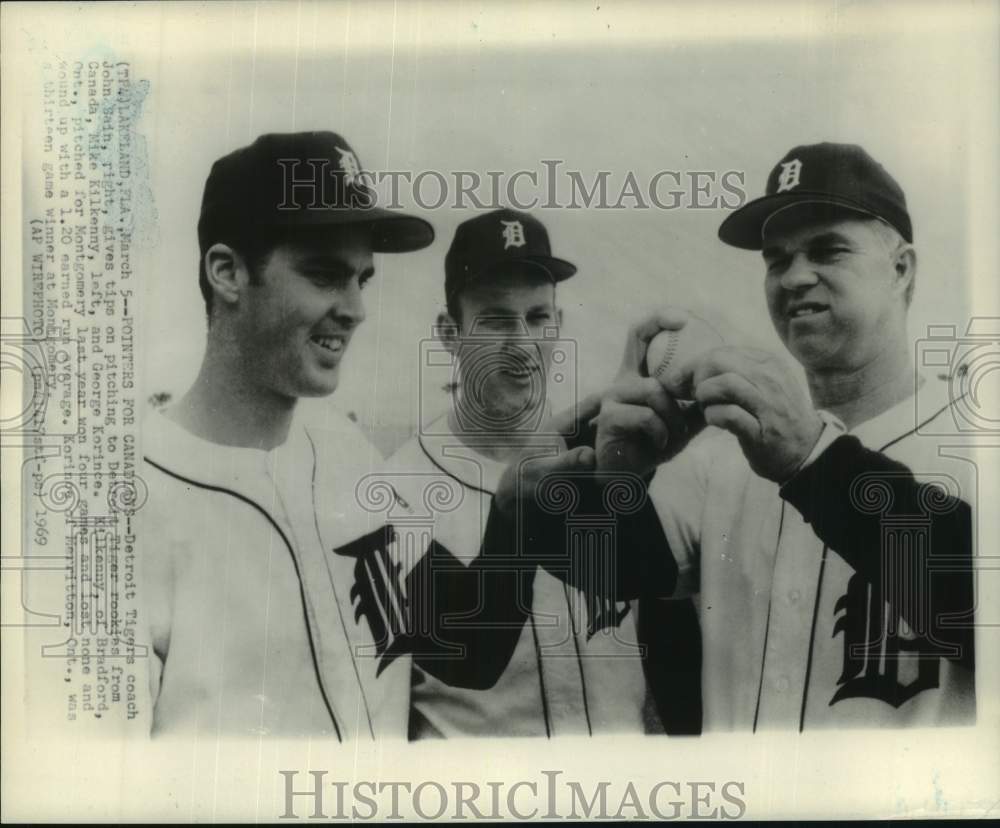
<point x="731" y="388"/>
<point x="634" y="358"/>
<point x="667" y="318"/>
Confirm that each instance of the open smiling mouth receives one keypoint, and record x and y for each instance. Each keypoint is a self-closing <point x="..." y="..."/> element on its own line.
<point x="330" y="344"/>
<point x="519" y="373"/>
<point x="805" y="310"/>
<point x="520" y="367"/>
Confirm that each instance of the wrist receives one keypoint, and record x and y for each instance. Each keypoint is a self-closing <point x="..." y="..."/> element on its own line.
<point x="830" y="428"/>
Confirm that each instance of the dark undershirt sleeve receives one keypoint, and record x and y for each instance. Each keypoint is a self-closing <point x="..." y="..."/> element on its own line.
<point x="467" y="619"/>
<point x="636" y="551"/>
<point x="911" y="540"/>
<point x="610" y="544"/>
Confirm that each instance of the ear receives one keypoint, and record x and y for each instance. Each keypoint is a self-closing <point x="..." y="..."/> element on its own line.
<point x="226" y="272"/>
<point x="447" y="331"/>
<point x="905" y="265"/>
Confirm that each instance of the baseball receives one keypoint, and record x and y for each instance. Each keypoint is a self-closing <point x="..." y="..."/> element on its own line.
<point x="674" y="349"/>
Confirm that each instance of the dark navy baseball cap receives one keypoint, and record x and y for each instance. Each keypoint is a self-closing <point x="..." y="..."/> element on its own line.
<point x="301" y="179"/>
<point x="485" y="242"/>
<point x="828" y="180"/>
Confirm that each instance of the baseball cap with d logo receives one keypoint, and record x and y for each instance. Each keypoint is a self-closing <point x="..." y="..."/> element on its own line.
<point x="828" y="179"/>
<point x="484" y="243"/>
<point x="301" y="179"/>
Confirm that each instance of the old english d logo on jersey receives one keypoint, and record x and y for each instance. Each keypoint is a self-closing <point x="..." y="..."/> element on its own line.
<point x="402" y="613"/>
<point x="592" y="550"/>
<point x="604" y="614"/>
<point x="378" y="593"/>
<point x="883" y="659"/>
<point x="592" y="539"/>
<point x="885" y="656"/>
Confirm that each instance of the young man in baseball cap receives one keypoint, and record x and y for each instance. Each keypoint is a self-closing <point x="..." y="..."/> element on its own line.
<point x="249" y="611"/>
<point x="827" y="530"/>
<point x="272" y="603"/>
<point x="575" y="666"/>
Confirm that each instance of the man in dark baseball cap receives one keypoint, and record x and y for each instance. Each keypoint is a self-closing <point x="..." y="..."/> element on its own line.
<point x="501" y="320"/>
<point x="491" y="243"/>
<point x="824" y="180"/>
<point x="287" y="230"/>
<point x="836" y="236"/>
<point x="293" y="185"/>
<point x="250" y="609"/>
<point x="304" y="179"/>
<point x="820" y="622"/>
<point x="573" y="667"/>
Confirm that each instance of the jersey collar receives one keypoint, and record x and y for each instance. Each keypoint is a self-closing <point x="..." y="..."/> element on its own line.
<point x="465" y="463"/>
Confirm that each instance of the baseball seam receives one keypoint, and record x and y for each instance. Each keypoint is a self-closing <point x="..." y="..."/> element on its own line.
<point x="668" y="355"/>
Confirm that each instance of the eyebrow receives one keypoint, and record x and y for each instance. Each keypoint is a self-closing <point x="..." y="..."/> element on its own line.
<point x="831" y="237"/>
<point x="496" y="310"/>
<point x="331" y="263"/>
<point x="499" y="310"/>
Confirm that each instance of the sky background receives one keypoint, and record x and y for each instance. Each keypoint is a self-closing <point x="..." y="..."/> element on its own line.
<point x="600" y="86"/>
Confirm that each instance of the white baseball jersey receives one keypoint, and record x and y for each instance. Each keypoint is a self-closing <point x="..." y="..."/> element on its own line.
<point x="821" y="602"/>
<point x="575" y="668"/>
<point x="256" y="619"/>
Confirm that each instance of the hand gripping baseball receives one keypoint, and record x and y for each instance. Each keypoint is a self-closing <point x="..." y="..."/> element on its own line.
<point x="642" y="422"/>
<point x="754" y="395"/>
<point x="642" y="333"/>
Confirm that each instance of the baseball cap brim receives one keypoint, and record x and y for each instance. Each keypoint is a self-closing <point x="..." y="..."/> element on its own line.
<point x="556" y="269"/>
<point x="559" y="269"/>
<point x="745" y="227"/>
<point x="392" y="232"/>
<point x="399" y="232"/>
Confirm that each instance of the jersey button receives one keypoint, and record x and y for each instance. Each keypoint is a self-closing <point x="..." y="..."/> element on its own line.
<point x="793" y="597"/>
<point x="781" y="684"/>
